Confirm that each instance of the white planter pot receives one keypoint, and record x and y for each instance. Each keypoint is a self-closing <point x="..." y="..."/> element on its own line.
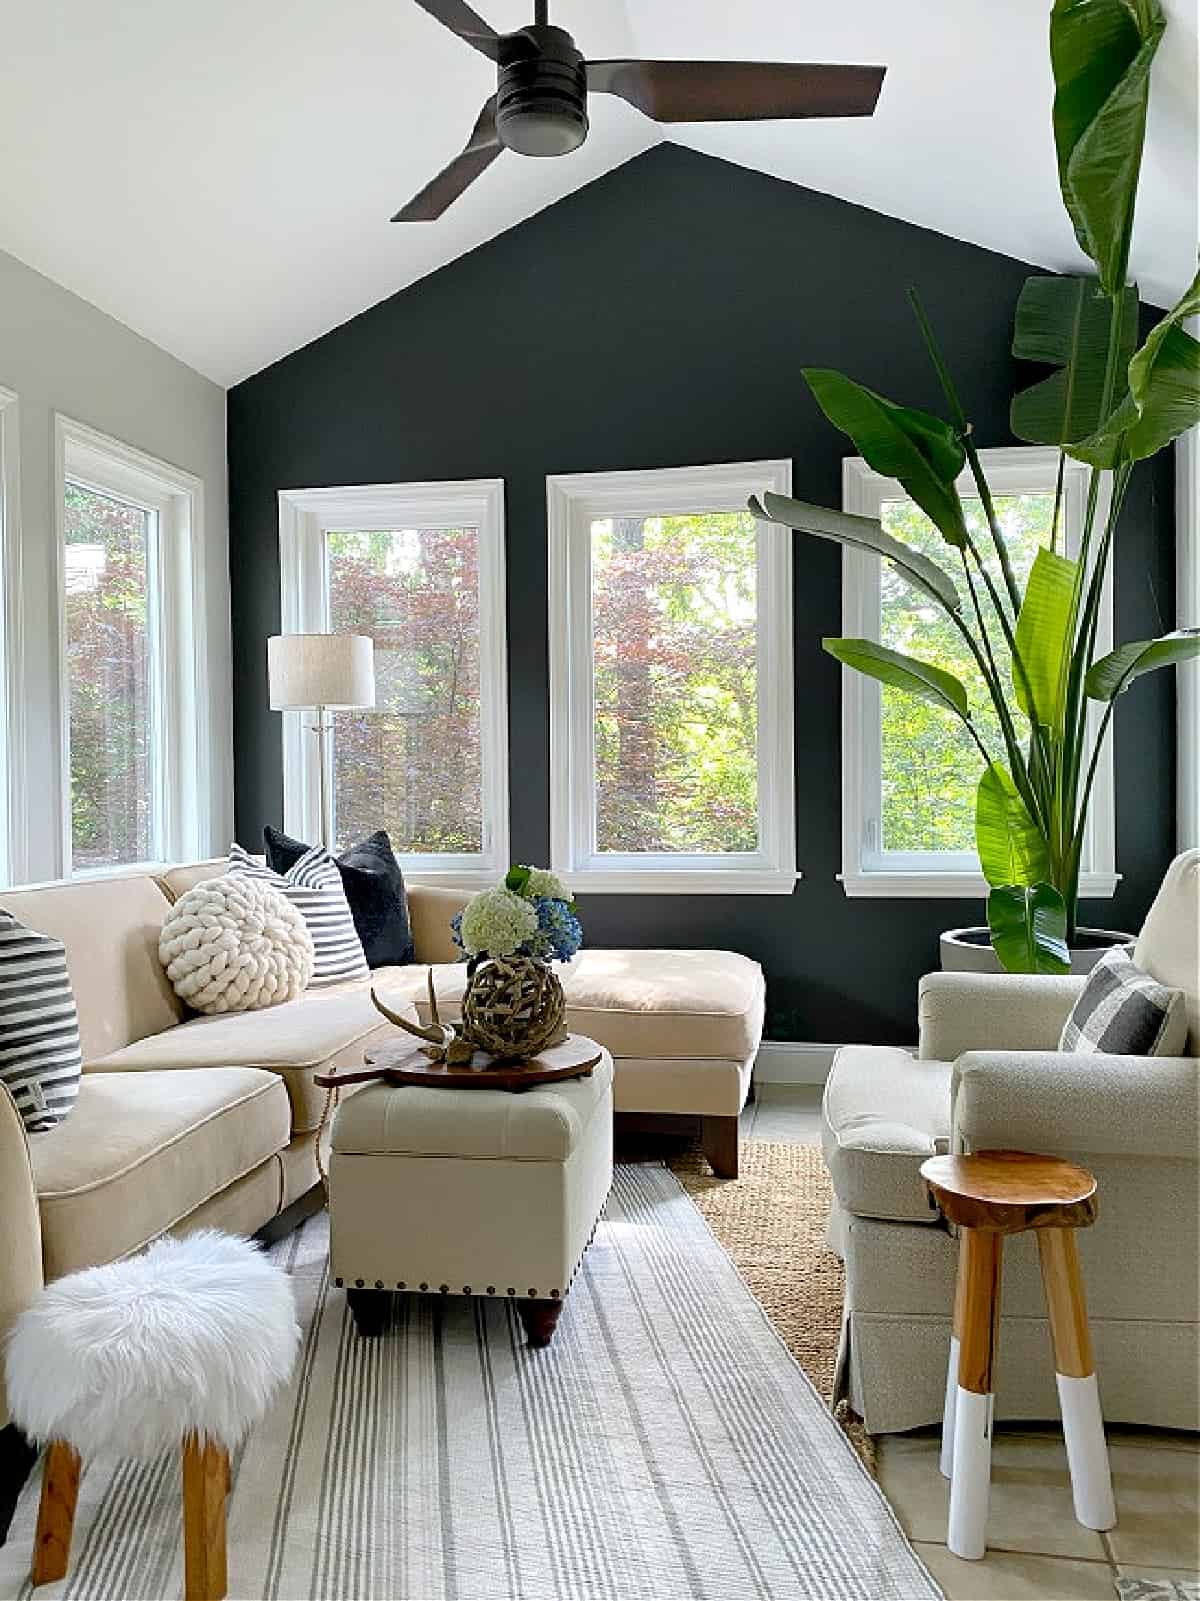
<point x="969" y="950"/>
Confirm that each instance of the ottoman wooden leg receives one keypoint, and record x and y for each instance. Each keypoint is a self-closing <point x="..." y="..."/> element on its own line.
<point x="719" y="1142"/>
<point x="370" y="1309"/>
<point x="205" y="1484"/>
<point x="1075" y="1372"/>
<point x="540" y="1319"/>
<point x="56" y="1513"/>
<point x="979" y="1267"/>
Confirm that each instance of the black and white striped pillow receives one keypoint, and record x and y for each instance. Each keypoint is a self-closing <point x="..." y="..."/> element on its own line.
<point x="1122" y="1011"/>
<point x="40" y="1060"/>
<point x="314" y="887"/>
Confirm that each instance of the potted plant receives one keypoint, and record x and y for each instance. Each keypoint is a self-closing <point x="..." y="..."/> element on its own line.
<point x="1107" y="404"/>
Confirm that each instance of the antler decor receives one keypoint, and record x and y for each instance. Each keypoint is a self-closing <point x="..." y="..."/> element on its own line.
<point x="441" y="1043"/>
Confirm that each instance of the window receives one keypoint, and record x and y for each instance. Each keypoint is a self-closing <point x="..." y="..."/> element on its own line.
<point x="671" y="682"/>
<point x="419" y="568"/>
<point x="11" y="700"/>
<point x="909" y="770"/>
<point x="130" y="668"/>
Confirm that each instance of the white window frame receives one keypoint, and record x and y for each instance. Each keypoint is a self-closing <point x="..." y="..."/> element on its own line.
<point x="13" y="852"/>
<point x="1187" y="502"/>
<point x="574" y="501"/>
<point x="179" y="698"/>
<point x="305" y="517"/>
<point x="866" y="869"/>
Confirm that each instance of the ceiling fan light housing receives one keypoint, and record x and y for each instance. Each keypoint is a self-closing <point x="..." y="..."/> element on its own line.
<point x="541" y="97"/>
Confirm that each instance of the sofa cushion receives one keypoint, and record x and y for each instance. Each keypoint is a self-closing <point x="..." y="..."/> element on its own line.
<point x="543" y="1124"/>
<point x="884" y="1112"/>
<point x="140" y="1152"/>
<point x="326" y="1033"/>
<point x="110" y="928"/>
<point x="704" y="1005"/>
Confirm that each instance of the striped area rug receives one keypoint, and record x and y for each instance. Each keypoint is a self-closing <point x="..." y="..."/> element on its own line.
<point x="665" y="1445"/>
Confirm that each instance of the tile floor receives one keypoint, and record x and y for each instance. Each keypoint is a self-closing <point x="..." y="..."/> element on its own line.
<point x="1036" y="1548"/>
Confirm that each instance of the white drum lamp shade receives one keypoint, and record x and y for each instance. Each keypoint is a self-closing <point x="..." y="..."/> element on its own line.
<point x="332" y="670"/>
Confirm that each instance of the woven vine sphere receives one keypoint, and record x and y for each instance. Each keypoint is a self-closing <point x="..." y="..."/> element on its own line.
<point x="513" y="1008"/>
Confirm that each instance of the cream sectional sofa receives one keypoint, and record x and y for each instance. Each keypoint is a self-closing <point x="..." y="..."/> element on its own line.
<point x="184" y="1122"/>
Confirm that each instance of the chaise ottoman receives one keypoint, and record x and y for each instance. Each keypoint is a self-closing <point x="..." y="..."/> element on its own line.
<point x="683" y="1027"/>
<point x="468" y="1192"/>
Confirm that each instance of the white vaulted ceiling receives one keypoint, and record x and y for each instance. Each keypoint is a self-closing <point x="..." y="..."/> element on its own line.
<point x="219" y="176"/>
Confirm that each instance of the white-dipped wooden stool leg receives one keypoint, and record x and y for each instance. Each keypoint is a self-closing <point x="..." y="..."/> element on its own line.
<point x="1075" y="1371"/>
<point x="946" y="1462"/>
<point x="978" y="1295"/>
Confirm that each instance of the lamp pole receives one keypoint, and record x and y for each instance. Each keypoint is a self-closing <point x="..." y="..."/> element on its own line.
<point x="321" y="731"/>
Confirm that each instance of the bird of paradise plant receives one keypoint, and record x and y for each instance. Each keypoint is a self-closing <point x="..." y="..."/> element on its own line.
<point x="1107" y="404"/>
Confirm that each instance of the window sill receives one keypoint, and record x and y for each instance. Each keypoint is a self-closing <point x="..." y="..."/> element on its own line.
<point x="682" y="881"/>
<point x="953" y="886"/>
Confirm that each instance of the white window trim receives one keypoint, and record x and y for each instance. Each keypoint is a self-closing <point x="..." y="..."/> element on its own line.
<point x="574" y="500"/>
<point x="180" y="699"/>
<point x="13" y="846"/>
<point x="934" y="875"/>
<point x="305" y="517"/>
<point x="1187" y="502"/>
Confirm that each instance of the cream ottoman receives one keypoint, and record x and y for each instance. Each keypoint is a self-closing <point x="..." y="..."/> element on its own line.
<point x="468" y="1192"/>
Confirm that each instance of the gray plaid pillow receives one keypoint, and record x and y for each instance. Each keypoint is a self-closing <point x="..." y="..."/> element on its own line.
<point x="1124" y="1012"/>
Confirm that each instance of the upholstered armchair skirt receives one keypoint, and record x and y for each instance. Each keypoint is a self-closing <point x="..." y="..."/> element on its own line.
<point x="988" y="1074"/>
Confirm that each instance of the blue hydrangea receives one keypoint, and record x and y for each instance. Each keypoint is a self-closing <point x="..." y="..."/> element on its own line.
<point x="559" y="932"/>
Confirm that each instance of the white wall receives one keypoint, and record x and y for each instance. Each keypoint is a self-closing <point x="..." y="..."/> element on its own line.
<point x="59" y="354"/>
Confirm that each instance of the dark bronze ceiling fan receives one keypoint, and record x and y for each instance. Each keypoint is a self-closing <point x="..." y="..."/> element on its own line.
<point x="540" y="104"/>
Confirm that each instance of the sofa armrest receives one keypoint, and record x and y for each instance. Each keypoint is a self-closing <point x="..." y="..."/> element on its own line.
<point x="20" y="1227"/>
<point x="430" y="908"/>
<point x="1065" y="1103"/>
<point x="959" y="1012"/>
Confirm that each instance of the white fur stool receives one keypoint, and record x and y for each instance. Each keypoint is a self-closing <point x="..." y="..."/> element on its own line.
<point x="184" y="1345"/>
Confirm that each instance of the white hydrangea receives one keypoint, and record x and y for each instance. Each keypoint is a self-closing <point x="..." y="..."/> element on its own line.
<point x="543" y="883"/>
<point x="498" y="922"/>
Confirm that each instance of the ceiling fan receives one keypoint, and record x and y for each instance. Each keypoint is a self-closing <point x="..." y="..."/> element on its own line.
<point x="540" y="104"/>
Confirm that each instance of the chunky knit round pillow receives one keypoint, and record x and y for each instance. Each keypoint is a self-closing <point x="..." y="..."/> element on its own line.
<point x="235" y="944"/>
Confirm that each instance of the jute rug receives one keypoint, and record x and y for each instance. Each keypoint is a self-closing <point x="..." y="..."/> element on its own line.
<point x="772" y="1223"/>
<point x="666" y="1445"/>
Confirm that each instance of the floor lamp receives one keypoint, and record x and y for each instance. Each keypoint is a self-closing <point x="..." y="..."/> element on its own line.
<point x="324" y="672"/>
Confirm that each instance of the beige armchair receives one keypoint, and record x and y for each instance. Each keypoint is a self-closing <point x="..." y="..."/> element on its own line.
<point x="987" y="1074"/>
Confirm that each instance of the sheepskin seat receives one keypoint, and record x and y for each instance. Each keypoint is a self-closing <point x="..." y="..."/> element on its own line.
<point x="234" y="944"/>
<point x="193" y="1337"/>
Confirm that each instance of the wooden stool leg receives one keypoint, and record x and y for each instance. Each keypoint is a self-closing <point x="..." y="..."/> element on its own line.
<point x="56" y="1513"/>
<point x="946" y="1462"/>
<point x="979" y="1268"/>
<point x="205" y="1483"/>
<point x="1075" y="1372"/>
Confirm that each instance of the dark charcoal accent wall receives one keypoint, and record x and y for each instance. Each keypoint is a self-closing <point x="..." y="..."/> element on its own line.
<point x="659" y="317"/>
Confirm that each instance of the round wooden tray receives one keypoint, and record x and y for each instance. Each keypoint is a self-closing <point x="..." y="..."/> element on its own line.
<point x="401" y="1063"/>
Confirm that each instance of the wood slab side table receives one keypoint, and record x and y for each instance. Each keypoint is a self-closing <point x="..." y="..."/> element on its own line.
<point x="989" y="1195"/>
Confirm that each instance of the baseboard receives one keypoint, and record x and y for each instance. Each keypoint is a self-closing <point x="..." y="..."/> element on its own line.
<point x="793" y="1062"/>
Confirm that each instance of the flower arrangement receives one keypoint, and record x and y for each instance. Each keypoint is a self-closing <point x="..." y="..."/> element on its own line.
<point x="530" y="914"/>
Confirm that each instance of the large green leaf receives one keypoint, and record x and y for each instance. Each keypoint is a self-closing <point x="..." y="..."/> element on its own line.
<point x="892" y="667"/>
<point x="1064" y="322"/>
<point x="860" y="533"/>
<point x="1101" y="51"/>
<point x="1114" y="673"/>
<point x="1044" y="637"/>
<point x="1163" y="399"/>
<point x="1029" y="928"/>
<point x="919" y="449"/>
<point x="1012" y="848"/>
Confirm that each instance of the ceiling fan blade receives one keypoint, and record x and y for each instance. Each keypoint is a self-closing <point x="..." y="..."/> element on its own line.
<point x="738" y="91"/>
<point x="467" y="24"/>
<point x="480" y="151"/>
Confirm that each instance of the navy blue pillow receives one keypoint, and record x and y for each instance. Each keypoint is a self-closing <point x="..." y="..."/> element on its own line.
<point x="374" y="887"/>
